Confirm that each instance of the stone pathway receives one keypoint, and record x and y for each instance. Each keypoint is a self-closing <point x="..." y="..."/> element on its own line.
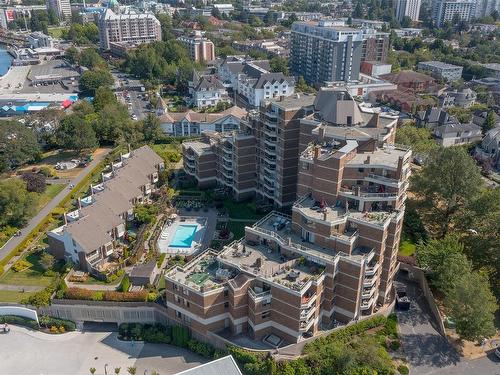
<point x="21" y="288"/>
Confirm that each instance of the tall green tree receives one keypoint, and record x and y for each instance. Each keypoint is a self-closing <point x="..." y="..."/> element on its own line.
<point x="279" y="64"/>
<point x="419" y="139"/>
<point x="18" y="145"/>
<point x="74" y="133"/>
<point x="448" y="182"/>
<point x="91" y="59"/>
<point x="104" y="97"/>
<point x="17" y="205"/>
<point x="489" y="122"/>
<point x="472" y="306"/>
<point x="444" y="260"/>
<point x="91" y="80"/>
<point x="151" y="128"/>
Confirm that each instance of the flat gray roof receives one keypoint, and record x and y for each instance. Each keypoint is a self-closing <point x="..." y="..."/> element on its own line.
<point x="222" y="366"/>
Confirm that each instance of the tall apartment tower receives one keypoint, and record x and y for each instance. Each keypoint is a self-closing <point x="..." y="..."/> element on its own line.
<point x="445" y="10"/>
<point x="199" y="47"/>
<point x="333" y="260"/>
<point x="408" y="8"/>
<point x="486" y="7"/>
<point x="326" y="51"/>
<point x="61" y="7"/>
<point x="129" y="28"/>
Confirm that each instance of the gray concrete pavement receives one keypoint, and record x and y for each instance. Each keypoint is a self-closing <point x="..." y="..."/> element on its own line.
<point x="50" y="206"/>
<point x="427" y="351"/>
<point x="26" y="352"/>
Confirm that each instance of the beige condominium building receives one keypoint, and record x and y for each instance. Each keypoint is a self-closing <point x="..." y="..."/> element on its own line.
<point x="127" y="28"/>
<point x="332" y="260"/>
<point x="199" y="47"/>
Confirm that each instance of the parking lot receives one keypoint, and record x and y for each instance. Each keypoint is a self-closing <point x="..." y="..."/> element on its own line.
<point x="128" y="91"/>
<point x="26" y="352"/>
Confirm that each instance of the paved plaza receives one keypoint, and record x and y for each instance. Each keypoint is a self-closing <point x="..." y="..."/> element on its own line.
<point x="26" y="352"/>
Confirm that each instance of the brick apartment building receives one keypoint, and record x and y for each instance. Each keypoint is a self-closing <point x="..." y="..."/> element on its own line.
<point x="333" y="259"/>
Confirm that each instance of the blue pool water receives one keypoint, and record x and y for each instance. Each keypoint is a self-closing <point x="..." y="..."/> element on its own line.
<point x="183" y="236"/>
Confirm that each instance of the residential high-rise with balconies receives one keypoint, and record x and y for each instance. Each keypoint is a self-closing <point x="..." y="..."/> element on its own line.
<point x="333" y="260"/>
<point x="325" y="51"/>
<point x="408" y="8"/>
<point x="129" y="28"/>
<point x="445" y="10"/>
<point x="61" y="7"/>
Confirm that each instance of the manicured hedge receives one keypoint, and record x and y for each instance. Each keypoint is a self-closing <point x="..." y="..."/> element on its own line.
<point x="20" y="321"/>
<point x="49" y="321"/>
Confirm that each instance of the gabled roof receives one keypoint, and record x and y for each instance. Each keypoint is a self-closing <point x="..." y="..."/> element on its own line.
<point x="272" y="78"/>
<point x="458" y="127"/>
<point x="208" y="82"/>
<point x="207" y="118"/>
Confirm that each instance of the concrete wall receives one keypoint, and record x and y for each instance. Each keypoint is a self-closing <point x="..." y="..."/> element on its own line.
<point x="19" y="311"/>
<point x="417" y="275"/>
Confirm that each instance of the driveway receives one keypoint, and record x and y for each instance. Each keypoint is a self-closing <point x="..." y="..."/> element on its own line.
<point x="26" y="352"/>
<point x="426" y="350"/>
<point x="9" y="246"/>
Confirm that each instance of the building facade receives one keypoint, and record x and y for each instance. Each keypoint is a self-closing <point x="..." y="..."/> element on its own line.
<point x="486" y="7"/>
<point x="199" y="47"/>
<point x="326" y="51"/>
<point x="408" y="8"/>
<point x="92" y="234"/>
<point x="61" y="7"/>
<point x="441" y="70"/>
<point x="127" y="27"/>
<point x="333" y="260"/>
<point x="445" y="10"/>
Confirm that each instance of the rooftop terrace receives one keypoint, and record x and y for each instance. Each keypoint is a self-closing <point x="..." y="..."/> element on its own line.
<point x="262" y="261"/>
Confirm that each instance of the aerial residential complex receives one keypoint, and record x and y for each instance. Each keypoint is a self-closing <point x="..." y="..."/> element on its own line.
<point x="93" y="233"/>
<point x="128" y="28"/>
<point x="441" y="70"/>
<point x="334" y="258"/>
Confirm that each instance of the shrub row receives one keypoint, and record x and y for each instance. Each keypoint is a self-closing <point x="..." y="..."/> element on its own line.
<point x="90" y="295"/>
<point x="49" y="321"/>
<point x="19" y="320"/>
<point x="346" y="334"/>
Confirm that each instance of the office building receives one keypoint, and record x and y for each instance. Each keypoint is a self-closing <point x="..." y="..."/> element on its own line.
<point x="61" y="7"/>
<point x="441" y="70"/>
<point x="408" y="8"/>
<point x="445" y="10"/>
<point x="333" y="260"/>
<point x="128" y="27"/>
<point x="326" y="51"/>
<point x="199" y="47"/>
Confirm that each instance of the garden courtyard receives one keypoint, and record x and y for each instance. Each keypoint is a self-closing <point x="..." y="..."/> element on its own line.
<point x="28" y="352"/>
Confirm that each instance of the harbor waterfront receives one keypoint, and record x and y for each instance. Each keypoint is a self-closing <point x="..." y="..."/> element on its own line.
<point x="5" y="61"/>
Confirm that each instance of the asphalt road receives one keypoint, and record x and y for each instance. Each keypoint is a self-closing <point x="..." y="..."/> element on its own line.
<point x="50" y="206"/>
<point x="427" y="351"/>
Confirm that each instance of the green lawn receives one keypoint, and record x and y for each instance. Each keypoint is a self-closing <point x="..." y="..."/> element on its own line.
<point x="407" y="248"/>
<point x="31" y="276"/>
<point x="50" y="192"/>
<point x="56" y="32"/>
<point x="241" y="210"/>
<point x="11" y="296"/>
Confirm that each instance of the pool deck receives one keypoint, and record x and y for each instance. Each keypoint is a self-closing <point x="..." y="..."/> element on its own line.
<point x="210" y="218"/>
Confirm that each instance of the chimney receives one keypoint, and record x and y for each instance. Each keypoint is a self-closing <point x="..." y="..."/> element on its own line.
<point x="316" y="152"/>
<point x="324" y="214"/>
<point x="321" y="132"/>
<point x="79" y="203"/>
<point x="367" y="161"/>
<point x="65" y="219"/>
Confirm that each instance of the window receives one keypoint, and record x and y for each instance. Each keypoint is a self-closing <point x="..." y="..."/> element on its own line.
<point x="188" y="304"/>
<point x="226" y="293"/>
<point x="266" y="314"/>
<point x="178" y="314"/>
<point x="226" y="305"/>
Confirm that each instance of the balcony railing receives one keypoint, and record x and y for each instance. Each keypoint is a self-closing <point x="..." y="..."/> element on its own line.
<point x="383" y="180"/>
<point x="255" y="295"/>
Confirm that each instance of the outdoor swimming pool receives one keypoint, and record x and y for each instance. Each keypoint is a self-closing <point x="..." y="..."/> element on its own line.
<point x="184" y="236"/>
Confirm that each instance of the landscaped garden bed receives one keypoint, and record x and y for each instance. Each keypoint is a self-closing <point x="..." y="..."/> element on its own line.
<point x="48" y="324"/>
